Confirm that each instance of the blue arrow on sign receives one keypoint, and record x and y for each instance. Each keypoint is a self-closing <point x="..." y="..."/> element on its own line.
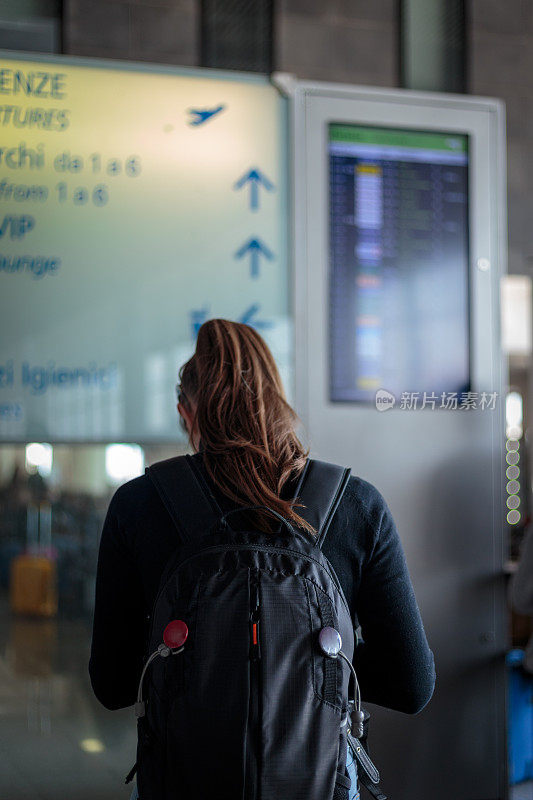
<point x="255" y="248"/>
<point x="248" y="317"/>
<point x="197" y="317"/>
<point x="255" y="178"/>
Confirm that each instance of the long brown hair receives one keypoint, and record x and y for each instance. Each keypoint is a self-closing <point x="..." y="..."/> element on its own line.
<point x="241" y="417"/>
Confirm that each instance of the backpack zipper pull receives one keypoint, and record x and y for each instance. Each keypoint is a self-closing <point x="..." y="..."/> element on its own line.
<point x="255" y="648"/>
<point x="255" y="652"/>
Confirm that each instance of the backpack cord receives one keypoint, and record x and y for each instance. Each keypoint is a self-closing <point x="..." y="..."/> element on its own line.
<point x="164" y="652"/>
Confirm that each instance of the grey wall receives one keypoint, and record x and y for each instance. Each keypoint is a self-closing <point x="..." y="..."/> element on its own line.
<point x="163" y="31"/>
<point x="501" y="65"/>
<point x="354" y="41"/>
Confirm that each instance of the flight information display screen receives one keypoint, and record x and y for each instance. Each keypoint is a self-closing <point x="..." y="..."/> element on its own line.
<point x="398" y="269"/>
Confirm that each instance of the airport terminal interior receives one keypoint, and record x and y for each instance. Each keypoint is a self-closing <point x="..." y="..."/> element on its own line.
<point x="354" y="180"/>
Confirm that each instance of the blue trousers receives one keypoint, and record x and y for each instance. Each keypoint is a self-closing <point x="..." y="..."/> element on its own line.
<point x="351" y="768"/>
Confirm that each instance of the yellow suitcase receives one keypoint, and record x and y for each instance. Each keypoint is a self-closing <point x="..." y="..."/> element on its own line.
<point x="33" y="586"/>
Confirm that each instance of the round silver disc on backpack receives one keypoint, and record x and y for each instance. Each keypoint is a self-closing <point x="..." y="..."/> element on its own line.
<point x="330" y="641"/>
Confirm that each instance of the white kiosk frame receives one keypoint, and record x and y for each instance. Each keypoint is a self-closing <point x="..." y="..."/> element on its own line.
<point x="440" y="471"/>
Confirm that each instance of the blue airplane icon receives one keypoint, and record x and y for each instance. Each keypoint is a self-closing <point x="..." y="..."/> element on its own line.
<point x="201" y="115"/>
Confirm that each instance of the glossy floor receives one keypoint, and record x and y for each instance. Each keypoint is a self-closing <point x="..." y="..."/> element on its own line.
<point x="56" y="741"/>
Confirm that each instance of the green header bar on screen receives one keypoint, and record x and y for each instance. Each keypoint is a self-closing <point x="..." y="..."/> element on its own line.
<point x="353" y="134"/>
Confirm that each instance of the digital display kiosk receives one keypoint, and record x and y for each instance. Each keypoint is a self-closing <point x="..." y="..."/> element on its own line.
<point x="399" y="213"/>
<point x="398" y="262"/>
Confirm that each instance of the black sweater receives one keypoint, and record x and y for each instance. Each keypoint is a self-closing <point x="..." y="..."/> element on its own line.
<point x="394" y="665"/>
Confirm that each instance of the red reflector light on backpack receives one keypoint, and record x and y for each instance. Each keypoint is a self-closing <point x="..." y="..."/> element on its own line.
<point x="175" y="634"/>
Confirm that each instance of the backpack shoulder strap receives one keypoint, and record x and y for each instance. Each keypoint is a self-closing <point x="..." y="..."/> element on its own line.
<point x="186" y="496"/>
<point x="320" y="490"/>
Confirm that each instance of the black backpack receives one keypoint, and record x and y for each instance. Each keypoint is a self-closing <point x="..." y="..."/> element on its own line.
<point x="238" y="699"/>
